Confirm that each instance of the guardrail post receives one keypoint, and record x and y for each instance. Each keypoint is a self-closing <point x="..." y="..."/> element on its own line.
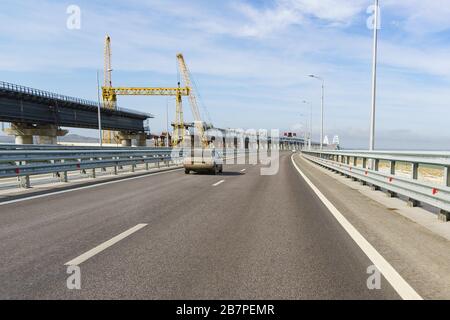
<point x="146" y="166"/>
<point x="377" y="165"/>
<point x="444" y="216"/>
<point x="447" y="176"/>
<point x="63" y="177"/>
<point x="93" y="174"/>
<point x="364" y="164"/>
<point x="24" y="182"/>
<point x="374" y="164"/>
<point x="415" y="171"/>
<point x="392" y="168"/>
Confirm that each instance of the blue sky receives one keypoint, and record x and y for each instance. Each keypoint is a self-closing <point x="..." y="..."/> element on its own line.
<point x="249" y="60"/>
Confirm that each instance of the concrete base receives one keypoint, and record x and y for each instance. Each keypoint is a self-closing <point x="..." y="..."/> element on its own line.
<point x="391" y="194"/>
<point x="126" y="139"/>
<point x="444" y="216"/>
<point x="413" y="203"/>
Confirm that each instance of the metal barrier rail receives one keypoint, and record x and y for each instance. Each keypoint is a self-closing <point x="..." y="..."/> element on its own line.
<point x="365" y="167"/>
<point x="26" y="163"/>
<point x="8" y="146"/>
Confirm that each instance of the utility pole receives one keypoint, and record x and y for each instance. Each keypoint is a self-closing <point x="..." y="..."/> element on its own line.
<point x="374" y="77"/>
<point x="100" y="135"/>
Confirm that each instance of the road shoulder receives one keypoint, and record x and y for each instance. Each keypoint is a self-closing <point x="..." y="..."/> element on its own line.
<point x="418" y="254"/>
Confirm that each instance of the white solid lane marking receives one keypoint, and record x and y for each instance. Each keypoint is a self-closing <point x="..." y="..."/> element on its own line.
<point x="217" y="183"/>
<point x="404" y="290"/>
<point x="243" y="170"/>
<point x="89" y="254"/>
<point x="87" y="187"/>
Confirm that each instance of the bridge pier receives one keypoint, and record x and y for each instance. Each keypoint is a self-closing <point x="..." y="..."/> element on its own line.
<point x="126" y="139"/>
<point x="47" y="134"/>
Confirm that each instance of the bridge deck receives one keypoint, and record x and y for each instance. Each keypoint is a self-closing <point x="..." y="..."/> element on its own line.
<point x="32" y="106"/>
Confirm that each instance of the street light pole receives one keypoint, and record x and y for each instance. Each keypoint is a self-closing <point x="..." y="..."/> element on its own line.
<point x="310" y="121"/>
<point x="374" y="78"/>
<point x="321" y="108"/>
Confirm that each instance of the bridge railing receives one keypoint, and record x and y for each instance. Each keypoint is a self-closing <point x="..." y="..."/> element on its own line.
<point x="423" y="177"/>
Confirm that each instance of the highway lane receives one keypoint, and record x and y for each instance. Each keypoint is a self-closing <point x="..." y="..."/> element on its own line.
<point x="250" y="236"/>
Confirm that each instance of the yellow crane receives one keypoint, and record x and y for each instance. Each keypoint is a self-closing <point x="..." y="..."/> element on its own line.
<point x="110" y="94"/>
<point x="198" y="123"/>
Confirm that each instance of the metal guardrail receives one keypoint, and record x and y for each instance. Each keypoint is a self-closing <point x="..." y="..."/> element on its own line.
<point x="8" y="146"/>
<point x="366" y="167"/>
<point x="26" y="163"/>
<point x="56" y="96"/>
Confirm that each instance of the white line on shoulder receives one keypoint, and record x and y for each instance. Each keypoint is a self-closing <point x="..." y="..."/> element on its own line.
<point x="405" y="291"/>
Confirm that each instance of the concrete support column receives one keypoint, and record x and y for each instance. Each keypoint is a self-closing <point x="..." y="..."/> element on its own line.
<point x="24" y="140"/>
<point x="125" y="142"/>
<point x="141" y="140"/>
<point x="47" y="134"/>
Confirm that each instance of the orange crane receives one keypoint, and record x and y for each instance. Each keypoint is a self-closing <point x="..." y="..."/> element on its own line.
<point x="110" y="94"/>
<point x="198" y="123"/>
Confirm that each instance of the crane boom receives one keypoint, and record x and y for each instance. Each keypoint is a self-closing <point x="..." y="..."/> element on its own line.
<point x="134" y="91"/>
<point x="192" y="99"/>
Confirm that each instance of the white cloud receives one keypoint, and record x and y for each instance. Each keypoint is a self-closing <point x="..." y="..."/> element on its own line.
<point x="421" y="17"/>
<point x="328" y="10"/>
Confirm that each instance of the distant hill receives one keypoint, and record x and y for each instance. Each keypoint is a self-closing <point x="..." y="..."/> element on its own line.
<point x="77" y="138"/>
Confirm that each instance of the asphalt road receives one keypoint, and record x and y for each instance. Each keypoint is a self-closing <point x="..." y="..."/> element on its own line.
<point x="248" y="237"/>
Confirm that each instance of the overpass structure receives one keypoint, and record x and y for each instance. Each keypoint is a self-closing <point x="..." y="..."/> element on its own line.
<point x="34" y="112"/>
